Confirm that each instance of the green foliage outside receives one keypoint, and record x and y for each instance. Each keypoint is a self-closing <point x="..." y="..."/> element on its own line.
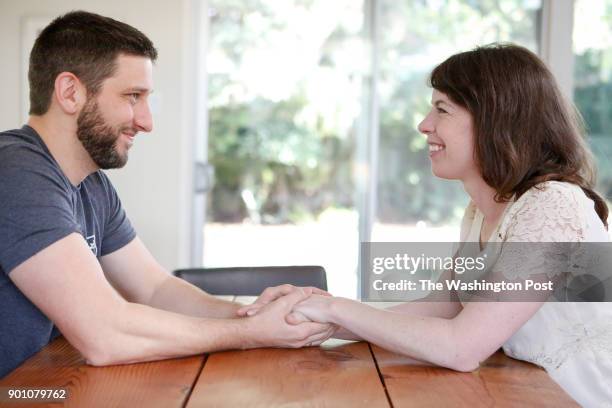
<point x="593" y="98"/>
<point x="288" y="155"/>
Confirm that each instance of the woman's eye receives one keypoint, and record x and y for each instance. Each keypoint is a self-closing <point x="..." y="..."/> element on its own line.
<point x="133" y="97"/>
<point x="440" y="110"/>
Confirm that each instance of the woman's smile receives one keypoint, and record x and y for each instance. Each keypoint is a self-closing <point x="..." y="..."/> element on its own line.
<point x="435" y="149"/>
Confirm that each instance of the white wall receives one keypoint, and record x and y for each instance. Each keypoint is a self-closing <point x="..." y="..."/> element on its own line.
<point x="154" y="186"/>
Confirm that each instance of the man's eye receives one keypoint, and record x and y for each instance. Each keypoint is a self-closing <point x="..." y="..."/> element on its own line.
<point x="133" y="97"/>
<point x="440" y="110"/>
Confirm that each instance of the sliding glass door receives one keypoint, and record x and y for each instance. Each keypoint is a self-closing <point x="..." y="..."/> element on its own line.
<point x="414" y="36"/>
<point x="285" y="79"/>
<point x="313" y="108"/>
<point x="593" y="81"/>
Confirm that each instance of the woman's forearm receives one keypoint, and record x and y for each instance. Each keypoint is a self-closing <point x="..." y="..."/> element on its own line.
<point x="446" y="310"/>
<point x="425" y="338"/>
<point x="344" y="334"/>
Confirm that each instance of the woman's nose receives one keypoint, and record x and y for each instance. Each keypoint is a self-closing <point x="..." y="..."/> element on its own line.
<point x="426" y="125"/>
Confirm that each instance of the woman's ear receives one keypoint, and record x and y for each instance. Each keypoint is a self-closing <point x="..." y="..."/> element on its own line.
<point x="69" y="93"/>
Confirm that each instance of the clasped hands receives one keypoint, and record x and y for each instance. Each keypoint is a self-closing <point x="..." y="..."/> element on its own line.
<point x="302" y="311"/>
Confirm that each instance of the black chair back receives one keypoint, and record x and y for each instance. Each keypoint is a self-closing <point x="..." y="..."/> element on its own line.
<point x="251" y="281"/>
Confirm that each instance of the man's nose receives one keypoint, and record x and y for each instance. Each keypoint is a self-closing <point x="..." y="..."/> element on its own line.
<point x="143" y="118"/>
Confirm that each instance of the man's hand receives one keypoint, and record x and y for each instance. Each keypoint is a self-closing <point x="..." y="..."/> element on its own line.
<point x="272" y="293"/>
<point x="269" y="328"/>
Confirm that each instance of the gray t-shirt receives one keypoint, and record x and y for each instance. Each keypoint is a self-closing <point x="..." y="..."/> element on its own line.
<point x="39" y="206"/>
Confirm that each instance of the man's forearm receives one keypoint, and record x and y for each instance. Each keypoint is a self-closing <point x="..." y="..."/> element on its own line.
<point x="135" y="333"/>
<point x="131" y="332"/>
<point x="179" y="296"/>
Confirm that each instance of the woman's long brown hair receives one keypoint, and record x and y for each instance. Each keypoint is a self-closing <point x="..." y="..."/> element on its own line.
<point x="525" y="131"/>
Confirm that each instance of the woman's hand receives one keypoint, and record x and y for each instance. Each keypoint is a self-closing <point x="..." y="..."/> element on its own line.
<point x="269" y="328"/>
<point x="316" y="308"/>
<point x="272" y="293"/>
<point x="313" y="309"/>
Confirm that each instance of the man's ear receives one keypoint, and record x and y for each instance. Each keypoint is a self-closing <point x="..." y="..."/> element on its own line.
<point x="69" y="93"/>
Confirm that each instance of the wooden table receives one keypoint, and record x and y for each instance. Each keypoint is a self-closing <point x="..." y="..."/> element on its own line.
<point x="338" y="374"/>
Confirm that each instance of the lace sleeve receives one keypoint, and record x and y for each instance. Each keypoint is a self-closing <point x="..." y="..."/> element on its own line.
<point x="549" y="212"/>
<point x="543" y="252"/>
<point x="542" y="233"/>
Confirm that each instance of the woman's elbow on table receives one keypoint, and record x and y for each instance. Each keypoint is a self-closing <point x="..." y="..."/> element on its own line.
<point x="455" y="358"/>
<point x="464" y="364"/>
<point x="460" y="351"/>
<point x="466" y="354"/>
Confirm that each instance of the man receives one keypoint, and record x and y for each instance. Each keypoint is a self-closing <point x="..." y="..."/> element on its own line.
<point x="68" y="255"/>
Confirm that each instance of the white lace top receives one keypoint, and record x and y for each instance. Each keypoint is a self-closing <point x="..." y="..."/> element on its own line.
<point x="572" y="341"/>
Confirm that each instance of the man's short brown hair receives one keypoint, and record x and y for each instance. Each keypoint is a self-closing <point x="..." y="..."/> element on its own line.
<point x="85" y="44"/>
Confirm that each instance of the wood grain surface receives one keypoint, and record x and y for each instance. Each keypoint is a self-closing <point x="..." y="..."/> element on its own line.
<point x="500" y="382"/>
<point x="59" y="365"/>
<point x="330" y="376"/>
<point x="337" y="374"/>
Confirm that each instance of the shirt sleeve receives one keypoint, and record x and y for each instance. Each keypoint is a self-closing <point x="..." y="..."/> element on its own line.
<point x="118" y="230"/>
<point x="36" y="207"/>
<point x="542" y="231"/>
<point x="549" y="212"/>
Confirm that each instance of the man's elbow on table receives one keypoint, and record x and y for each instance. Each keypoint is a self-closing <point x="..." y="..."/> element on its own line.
<point x="106" y="356"/>
<point x="98" y="357"/>
<point x="97" y="347"/>
<point x="125" y="333"/>
<point x="122" y="349"/>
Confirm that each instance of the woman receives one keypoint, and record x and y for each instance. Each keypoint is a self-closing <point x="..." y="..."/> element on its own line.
<point x="499" y="124"/>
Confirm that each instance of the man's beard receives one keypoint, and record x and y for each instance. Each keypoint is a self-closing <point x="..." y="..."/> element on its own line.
<point x="99" y="138"/>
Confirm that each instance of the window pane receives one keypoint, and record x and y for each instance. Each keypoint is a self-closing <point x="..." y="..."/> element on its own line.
<point x="593" y="80"/>
<point x="413" y="205"/>
<point x="284" y="95"/>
